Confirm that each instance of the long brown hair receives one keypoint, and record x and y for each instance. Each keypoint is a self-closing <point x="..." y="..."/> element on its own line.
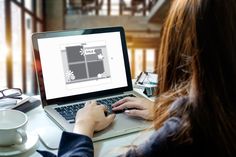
<point x="213" y="98"/>
<point x="178" y="44"/>
<point x="206" y="31"/>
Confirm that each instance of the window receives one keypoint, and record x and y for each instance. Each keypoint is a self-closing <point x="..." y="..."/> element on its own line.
<point x="23" y="18"/>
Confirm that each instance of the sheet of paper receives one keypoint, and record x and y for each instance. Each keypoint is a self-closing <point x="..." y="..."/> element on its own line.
<point x="10" y="103"/>
<point x="7" y="103"/>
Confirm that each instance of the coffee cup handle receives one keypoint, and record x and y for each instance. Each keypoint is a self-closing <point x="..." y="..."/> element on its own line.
<point x="23" y="136"/>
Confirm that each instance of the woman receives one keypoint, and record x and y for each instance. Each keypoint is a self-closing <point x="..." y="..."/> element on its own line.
<point x="201" y="123"/>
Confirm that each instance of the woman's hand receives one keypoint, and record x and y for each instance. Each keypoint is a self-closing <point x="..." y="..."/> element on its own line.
<point x="138" y="107"/>
<point x="92" y="118"/>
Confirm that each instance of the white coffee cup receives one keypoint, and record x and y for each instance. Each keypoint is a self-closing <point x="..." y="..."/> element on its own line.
<point x="12" y="127"/>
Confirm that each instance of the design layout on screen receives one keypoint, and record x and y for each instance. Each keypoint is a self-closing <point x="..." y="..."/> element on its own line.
<point x="85" y="61"/>
<point x="80" y="64"/>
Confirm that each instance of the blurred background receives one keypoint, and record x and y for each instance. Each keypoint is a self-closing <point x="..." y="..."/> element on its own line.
<point x="141" y="19"/>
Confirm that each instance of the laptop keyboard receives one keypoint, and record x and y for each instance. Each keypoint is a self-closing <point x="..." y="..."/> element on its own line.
<point x="69" y="111"/>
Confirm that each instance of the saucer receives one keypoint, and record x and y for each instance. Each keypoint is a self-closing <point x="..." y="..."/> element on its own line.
<point x="16" y="150"/>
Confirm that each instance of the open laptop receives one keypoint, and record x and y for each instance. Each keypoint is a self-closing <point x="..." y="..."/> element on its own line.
<point x="79" y="65"/>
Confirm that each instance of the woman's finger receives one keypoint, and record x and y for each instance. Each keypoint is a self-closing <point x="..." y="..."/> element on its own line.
<point x="135" y="113"/>
<point x="128" y="105"/>
<point x="123" y="101"/>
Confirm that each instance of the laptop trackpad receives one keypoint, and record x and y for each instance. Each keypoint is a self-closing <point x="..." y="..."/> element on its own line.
<point x="122" y="124"/>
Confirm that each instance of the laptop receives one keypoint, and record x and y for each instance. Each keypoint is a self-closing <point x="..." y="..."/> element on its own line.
<point x="75" y="66"/>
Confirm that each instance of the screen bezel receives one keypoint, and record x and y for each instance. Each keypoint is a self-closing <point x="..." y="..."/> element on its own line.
<point x="63" y="100"/>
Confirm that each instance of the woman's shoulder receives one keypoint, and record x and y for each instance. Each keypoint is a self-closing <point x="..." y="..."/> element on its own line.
<point x="158" y="142"/>
<point x="178" y="103"/>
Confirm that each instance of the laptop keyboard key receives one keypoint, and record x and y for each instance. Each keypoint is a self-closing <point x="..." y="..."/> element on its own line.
<point x="72" y="121"/>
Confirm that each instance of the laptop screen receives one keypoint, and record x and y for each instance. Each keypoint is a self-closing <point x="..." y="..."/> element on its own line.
<point x="81" y="62"/>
